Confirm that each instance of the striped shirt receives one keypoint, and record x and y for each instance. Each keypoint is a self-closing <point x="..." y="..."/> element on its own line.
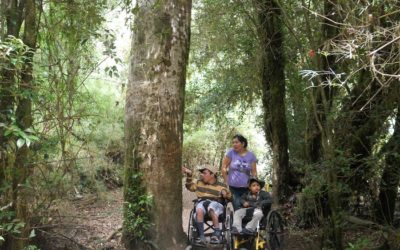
<point x="207" y="191"/>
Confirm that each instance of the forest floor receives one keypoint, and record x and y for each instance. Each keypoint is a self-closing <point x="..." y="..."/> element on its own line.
<point x="92" y="222"/>
<point x="87" y="222"/>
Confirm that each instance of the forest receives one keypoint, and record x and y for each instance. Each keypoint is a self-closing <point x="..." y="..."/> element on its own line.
<point x="103" y="101"/>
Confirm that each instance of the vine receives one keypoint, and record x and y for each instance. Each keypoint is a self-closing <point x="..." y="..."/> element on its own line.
<point x="137" y="208"/>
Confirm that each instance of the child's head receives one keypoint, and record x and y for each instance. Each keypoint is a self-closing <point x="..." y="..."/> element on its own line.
<point x="255" y="185"/>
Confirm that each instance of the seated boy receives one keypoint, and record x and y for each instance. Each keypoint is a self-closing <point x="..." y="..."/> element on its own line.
<point x="254" y="200"/>
<point x="211" y="193"/>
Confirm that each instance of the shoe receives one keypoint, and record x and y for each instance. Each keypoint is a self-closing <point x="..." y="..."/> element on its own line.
<point x="248" y="231"/>
<point x="215" y="240"/>
<point x="200" y="242"/>
<point x="234" y="230"/>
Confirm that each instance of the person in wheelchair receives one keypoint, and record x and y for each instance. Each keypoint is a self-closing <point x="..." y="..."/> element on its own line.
<point x="252" y="203"/>
<point x="211" y="194"/>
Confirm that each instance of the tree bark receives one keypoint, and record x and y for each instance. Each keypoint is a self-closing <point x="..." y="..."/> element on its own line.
<point x="319" y="132"/>
<point x="325" y="64"/>
<point x="361" y="120"/>
<point x="154" y="119"/>
<point x="273" y="84"/>
<point x="12" y="17"/>
<point x="24" y="120"/>
<point x="369" y="104"/>
<point x="16" y="163"/>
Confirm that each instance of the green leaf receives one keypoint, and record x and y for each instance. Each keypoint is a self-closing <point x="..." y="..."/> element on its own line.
<point x="29" y="130"/>
<point x="28" y="142"/>
<point x="33" y="138"/>
<point x="20" y="142"/>
<point x="32" y="234"/>
<point x="1" y="238"/>
<point x="8" y="132"/>
<point x="20" y="225"/>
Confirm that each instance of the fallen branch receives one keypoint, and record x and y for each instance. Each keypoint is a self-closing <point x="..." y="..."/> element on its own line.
<point x="361" y="222"/>
<point x="61" y="226"/>
<point x="112" y="235"/>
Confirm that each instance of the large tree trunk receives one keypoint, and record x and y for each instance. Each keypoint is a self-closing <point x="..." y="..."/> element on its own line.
<point x="391" y="175"/>
<point x="273" y="82"/>
<point x="11" y="19"/>
<point x="369" y="104"/>
<point x="19" y="12"/>
<point x="322" y="88"/>
<point x="319" y="131"/>
<point x="24" y="120"/>
<point x="361" y="120"/>
<point x="390" y="181"/>
<point x="154" y="119"/>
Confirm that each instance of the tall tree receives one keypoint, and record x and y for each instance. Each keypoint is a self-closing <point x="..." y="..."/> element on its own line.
<point x="19" y="14"/>
<point x="153" y="124"/>
<point x="372" y="99"/>
<point x="323" y="88"/>
<point x="270" y="31"/>
<point x="320" y="146"/>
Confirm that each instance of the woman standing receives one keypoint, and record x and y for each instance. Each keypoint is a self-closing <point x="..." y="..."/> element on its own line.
<point x="237" y="167"/>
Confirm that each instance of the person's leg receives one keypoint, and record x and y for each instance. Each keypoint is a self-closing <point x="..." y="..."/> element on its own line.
<point x="215" y="209"/>
<point x="235" y="198"/>
<point x="236" y="194"/>
<point x="237" y="219"/>
<point x="200" y="212"/>
<point x="257" y="216"/>
<point x="214" y="217"/>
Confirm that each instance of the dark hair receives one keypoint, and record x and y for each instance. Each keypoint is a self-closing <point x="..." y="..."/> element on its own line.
<point x="255" y="179"/>
<point x="241" y="138"/>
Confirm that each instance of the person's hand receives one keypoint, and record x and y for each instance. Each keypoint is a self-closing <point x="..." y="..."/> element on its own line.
<point x="245" y="204"/>
<point x="186" y="171"/>
<point x="223" y="193"/>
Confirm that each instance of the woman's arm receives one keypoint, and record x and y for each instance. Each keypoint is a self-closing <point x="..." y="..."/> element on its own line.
<point x="225" y="167"/>
<point x="254" y="169"/>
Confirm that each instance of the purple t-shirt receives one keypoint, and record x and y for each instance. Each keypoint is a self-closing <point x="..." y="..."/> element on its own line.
<point x="239" y="168"/>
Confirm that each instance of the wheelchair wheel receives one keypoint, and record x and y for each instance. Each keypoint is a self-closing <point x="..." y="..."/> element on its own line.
<point x="192" y="230"/>
<point x="275" y="231"/>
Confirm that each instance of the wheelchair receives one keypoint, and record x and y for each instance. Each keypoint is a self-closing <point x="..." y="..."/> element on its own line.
<point x="269" y="233"/>
<point x="225" y="221"/>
